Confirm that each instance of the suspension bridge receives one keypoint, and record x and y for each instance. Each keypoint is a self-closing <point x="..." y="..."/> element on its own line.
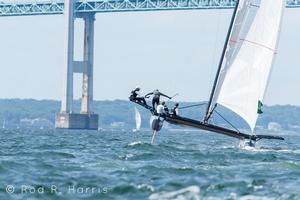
<point x="94" y="6"/>
<point x="86" y="10"/>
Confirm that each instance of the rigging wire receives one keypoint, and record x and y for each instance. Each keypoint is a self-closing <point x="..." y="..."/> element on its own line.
<point x="227" y="121"/>
<point x="190" y="106"/>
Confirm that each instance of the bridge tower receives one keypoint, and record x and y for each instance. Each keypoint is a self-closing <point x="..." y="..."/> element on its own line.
<point x="66" y="118"/>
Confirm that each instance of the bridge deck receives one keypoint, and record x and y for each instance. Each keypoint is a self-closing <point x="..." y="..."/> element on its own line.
<point x="7" y="8"/>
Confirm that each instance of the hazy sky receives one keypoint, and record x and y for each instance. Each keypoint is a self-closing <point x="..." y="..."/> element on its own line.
<point x="175" y="51"/>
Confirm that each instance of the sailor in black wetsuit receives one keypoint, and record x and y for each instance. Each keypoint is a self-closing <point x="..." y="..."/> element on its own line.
<point x="175" y="110"/>
<point x="135" y="96"/>
<point x="156" y="96"/>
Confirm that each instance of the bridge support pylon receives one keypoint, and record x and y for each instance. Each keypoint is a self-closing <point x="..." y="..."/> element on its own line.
<point x="66" y="118"/>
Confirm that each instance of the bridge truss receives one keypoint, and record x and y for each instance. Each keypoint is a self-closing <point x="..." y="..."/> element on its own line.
<point x="95" y="6"/>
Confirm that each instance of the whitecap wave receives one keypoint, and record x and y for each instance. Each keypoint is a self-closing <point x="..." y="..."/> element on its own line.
<point x="253" y="197"/>
<point x="266" y="149"/>
<point x="135" y="143"/>
<point x="244" y="145"/>
<point x="234" y="196"/>
<point x="126" y="157"/>
<point x="191" y="192"/>
<point x="146" y="187"/>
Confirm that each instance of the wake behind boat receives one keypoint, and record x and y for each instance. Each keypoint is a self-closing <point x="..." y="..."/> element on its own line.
<point x="243" y="72"/>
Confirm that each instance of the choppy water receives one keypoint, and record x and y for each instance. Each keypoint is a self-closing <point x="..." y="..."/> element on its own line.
<point x="56" y="164"/>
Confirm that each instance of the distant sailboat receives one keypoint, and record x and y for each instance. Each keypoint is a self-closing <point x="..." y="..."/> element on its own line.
<point x="3" y="125"/>
<point x="138" y="120"/>
<point x="244" y="68"/>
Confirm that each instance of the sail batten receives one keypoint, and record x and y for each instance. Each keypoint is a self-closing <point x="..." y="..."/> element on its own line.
<point x="249" y="57"/>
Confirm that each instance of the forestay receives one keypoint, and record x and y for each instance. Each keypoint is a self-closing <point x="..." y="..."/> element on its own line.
<point x="249" y="57"/>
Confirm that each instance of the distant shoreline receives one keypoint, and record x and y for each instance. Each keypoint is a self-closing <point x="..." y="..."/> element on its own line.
<point x="112" y="100"/>
<point x="120" y="113"/>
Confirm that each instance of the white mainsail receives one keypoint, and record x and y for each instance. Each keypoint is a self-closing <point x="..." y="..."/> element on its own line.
<point x="249" y="57"/>
<point x="138" y="119"/>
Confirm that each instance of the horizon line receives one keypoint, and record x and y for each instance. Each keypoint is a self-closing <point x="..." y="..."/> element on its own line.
<point x="95" y="100"/>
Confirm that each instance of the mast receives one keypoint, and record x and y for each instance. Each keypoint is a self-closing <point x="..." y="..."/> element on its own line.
<point x="208" y="109"/>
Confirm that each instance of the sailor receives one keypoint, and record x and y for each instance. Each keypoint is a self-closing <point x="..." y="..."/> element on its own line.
<point x="166" y="109"/>
<point x="156" y="96"/>
<point x="136" y="97"/>
<point x="160" y="109"/>
<point x="175" y="110"/>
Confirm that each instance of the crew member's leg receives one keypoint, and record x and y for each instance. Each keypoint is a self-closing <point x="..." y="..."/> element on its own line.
<point x="155" y="101"/>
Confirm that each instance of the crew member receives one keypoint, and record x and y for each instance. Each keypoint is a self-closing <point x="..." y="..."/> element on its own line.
<point x="136" y="97"/>
<point x="160" y="109"/>
<point x="156" y="97"/>
<point x="175" y="110"/>
<point x="166" y="109"/>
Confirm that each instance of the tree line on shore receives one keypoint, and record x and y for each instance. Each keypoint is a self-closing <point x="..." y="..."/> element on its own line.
<point x="12" y="111"/>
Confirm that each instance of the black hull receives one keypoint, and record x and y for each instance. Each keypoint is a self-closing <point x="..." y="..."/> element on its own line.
<point x="177" y="120"/>
<point x="216" y="129"/>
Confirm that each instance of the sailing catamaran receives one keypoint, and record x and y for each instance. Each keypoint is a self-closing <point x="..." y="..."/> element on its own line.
<point x="244" y="68"/>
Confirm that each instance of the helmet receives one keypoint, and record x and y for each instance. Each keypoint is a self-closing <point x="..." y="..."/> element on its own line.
<point x="137" y="88"/>
<point x="176" y="104"/>
<point x="163" y="103"/>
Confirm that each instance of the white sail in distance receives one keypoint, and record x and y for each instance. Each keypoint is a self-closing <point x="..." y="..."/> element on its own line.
<point x="3" y="125"/>
<point x="249" y="57"/>
<point x="138" y="119"/>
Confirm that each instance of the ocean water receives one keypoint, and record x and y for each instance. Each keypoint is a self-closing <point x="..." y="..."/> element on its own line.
<point x="60" y="164"/>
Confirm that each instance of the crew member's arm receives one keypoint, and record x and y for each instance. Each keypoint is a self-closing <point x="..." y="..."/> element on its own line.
<point x="147" y="95"/>
<point x="165" y="96"/>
